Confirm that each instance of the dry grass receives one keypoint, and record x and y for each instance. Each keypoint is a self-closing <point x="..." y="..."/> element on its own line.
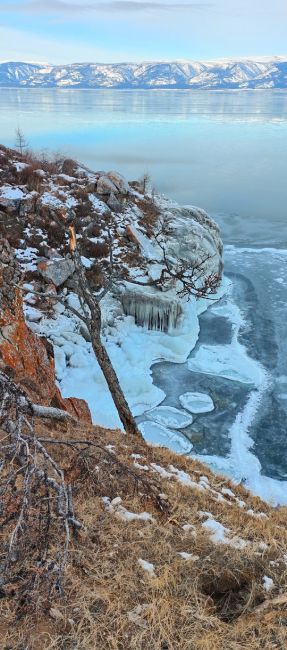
<point x="208" y="602"/>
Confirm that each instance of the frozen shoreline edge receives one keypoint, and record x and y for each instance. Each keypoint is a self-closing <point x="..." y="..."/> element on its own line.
<point x="125" y="342"/>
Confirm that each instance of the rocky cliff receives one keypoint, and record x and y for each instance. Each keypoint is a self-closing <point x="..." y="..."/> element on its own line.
<point x="147" y="254"/>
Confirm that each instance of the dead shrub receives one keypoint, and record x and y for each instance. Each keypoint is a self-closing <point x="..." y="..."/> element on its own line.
<point x="97" y="250"/>
<point x="29" y="176"/>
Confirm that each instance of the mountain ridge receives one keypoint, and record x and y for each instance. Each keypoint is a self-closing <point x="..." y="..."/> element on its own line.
<point x="220" y="74"/>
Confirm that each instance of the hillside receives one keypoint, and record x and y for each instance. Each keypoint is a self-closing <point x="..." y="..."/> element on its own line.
<point x="169" y="555"/>
<point x="194" y="75"/>
<point x="108" y="540"/>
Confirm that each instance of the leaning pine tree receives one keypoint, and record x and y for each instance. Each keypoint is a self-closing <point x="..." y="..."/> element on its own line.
<point x="93" y="321"/>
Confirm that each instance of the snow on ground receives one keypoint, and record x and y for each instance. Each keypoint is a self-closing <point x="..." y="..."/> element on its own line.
<point x="115" y="507"/>
<point x="14" y="193"/>
<point x="27" y="257"/>
<point x="268" y="583"/>
<point x="188" y="556"/>
<point x="221" y="535"/>
<point x="98" y="205"/>
<point x="147" y="566"/>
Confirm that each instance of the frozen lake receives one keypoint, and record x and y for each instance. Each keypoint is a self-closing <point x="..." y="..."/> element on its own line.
<point x="224" y="151"/>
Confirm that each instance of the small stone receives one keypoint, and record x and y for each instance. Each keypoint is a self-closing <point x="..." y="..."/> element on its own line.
<point x="56" y="614"/>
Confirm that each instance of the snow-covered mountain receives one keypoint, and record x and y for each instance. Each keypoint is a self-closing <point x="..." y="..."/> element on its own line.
<point x="220" y="74"/>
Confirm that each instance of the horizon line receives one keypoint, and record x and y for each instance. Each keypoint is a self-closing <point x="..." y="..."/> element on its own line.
<point x="255" y="58"/>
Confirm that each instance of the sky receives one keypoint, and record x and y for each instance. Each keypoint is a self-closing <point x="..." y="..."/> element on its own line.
<point x="67" y="31"/>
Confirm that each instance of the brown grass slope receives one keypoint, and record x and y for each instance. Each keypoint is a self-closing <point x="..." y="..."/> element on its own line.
<point x="213" y="598"/>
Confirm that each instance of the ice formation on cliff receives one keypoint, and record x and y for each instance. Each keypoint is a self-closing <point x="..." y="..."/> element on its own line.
<point x="152" y="310"/>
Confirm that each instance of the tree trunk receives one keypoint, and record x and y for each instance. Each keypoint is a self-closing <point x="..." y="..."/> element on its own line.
<point x="111" y="378"/>
<point x="93" y="322"/>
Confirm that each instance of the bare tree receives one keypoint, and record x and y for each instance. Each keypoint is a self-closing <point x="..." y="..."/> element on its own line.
<point x="189" y="278"/>
<point x="145" y="182"/>
<point x="20" y="144"/>
<point x="93" y="320"/>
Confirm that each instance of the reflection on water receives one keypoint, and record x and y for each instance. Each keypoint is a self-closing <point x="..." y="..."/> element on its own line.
<point x="225" y="151"/>
<point x="113" y="105"/>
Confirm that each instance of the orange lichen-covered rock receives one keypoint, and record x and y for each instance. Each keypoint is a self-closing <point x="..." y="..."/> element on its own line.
<point x="24" y="356"/>
<point x="27" y="358"/>
<point x="78" y="408"/>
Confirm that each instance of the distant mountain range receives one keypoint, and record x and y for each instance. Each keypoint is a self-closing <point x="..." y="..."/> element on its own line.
<point x="213" y="75"/>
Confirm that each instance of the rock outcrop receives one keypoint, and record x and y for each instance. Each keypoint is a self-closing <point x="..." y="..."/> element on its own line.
<point x="27" y="358"/>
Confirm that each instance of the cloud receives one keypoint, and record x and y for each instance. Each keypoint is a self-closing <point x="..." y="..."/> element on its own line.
<point x="19" y="45"/>
<point x="133" y="6"/>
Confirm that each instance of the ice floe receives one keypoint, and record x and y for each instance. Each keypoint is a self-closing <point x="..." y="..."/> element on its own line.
<point x="228" y="361"/>
<point x="169" y="416"/>
<point x="197" y="402"/>
<point x="157" y="434"/>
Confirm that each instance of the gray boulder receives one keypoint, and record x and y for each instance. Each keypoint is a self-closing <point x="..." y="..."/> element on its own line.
<point x="114" y="204"/>
<point x="106" y="186"/>
<point x="57" y="270"/>
<point x="119" y="181"/>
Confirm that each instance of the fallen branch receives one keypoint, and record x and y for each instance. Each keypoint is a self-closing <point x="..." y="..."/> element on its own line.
<point x="41" y="475"/>
<point x="51" y="413"/>
<point x="270" y="603"/>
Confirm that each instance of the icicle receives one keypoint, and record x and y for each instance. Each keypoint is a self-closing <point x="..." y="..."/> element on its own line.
<point x="151" y="311"/>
